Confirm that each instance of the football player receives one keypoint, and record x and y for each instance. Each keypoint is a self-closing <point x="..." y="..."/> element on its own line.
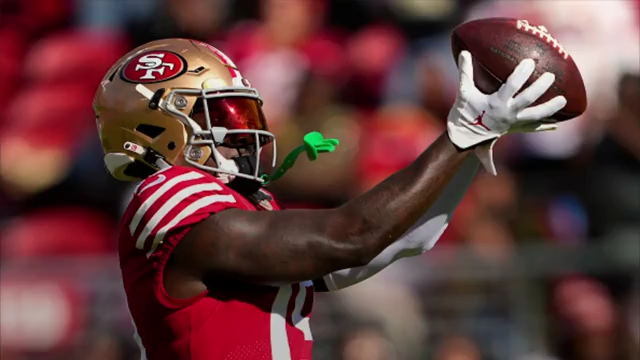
<point x="212" y="269"/>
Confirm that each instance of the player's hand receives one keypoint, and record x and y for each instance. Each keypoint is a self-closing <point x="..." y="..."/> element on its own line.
<point x="476" y="117"/>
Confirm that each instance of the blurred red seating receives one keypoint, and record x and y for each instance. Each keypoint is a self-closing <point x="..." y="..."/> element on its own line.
<point x="74" y="56"/>
<point x="40" y="312"/>
<point x="373" y="50"/>
<point x="58" y="232"/>
<point x="75" y="59"/>
<point x="405" y="129"/>
<point x="45" y="126"/>
<point x="37" y="16"/>
<point x="13" y="45"/>
<point x="41" y="111"/>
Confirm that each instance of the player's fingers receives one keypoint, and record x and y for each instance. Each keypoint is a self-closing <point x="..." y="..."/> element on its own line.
<point x="516" y="80"/>
<point x="467" y="88"/>
<point x="465" y="68"/>
<point x="543" y="111"/>
<point x="536" y="126"/>
<point x="532" y="93"/>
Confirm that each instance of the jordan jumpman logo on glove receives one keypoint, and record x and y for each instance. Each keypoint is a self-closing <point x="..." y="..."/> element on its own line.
<point x="476" y="117"/>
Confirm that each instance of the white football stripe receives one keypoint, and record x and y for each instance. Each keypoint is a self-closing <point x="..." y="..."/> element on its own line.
<point x="176" y="199"/>
<point x="280" y="349"/>
<point x="156" y="195"/>
<point x="189" y="210"/>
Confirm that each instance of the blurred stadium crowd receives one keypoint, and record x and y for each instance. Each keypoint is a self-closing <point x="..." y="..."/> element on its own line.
<point x="540" y="262"/>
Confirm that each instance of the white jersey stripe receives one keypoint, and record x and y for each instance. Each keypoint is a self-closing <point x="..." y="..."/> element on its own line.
<point x="189" y="210"/>
<point x="150" y="225"/>
<point x="300" y="322"/>
<point x="156" y="195"/>
<point x="280" y="349"/>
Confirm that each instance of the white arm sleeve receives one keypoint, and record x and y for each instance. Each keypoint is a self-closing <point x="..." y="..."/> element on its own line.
<point x="420" y="238"/>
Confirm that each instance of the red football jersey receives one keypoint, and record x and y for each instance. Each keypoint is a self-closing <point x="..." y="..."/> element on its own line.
<point x="230" y="321"/>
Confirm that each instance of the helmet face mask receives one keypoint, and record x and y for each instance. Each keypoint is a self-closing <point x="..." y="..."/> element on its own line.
<point x="176" y="101"/>
<point x="229" y="119"/>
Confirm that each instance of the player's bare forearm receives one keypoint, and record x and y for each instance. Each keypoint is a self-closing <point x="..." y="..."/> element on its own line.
<point x="297" y="245"/>
<point x="383" y="214"/>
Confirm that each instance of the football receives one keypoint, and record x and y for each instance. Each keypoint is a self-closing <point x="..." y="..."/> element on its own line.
<point x="497" y="46"/>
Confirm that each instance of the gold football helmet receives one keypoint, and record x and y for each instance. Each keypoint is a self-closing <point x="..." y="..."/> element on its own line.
<point x="176" y="99"/>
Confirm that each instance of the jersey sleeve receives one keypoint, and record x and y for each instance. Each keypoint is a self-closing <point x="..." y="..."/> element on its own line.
<point x="168" y="204"/>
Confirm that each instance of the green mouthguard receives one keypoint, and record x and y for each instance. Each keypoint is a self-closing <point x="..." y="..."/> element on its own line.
<point x="314" y="143"/>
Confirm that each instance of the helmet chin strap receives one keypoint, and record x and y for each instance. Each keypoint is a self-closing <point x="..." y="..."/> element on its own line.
<point x="245" y="164"/>
<point x="225" y="165"/>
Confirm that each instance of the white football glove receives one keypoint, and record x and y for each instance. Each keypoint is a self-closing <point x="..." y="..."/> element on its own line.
<point x="477" y="117"/>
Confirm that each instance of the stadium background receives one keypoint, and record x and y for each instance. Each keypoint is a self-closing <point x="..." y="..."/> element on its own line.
<point x="541" y="262"/>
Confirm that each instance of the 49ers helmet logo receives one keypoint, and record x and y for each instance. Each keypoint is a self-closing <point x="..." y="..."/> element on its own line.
<point x="154" y="66"/>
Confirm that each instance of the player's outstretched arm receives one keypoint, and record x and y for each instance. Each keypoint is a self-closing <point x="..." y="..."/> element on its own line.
<point x="422" y="236"/>
<point x="298" y="245"/>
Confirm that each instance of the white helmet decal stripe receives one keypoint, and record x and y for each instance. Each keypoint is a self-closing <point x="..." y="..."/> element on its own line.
<point x="233" y="69"/>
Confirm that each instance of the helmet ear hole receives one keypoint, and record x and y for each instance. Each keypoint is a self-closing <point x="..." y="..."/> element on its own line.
<point x="151" y="131"/>
<point x="171" y="145"/>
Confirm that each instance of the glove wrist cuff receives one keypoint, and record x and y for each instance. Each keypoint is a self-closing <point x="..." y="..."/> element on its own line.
<point x="484" y="153"/>
<point x="465" y="139"/>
